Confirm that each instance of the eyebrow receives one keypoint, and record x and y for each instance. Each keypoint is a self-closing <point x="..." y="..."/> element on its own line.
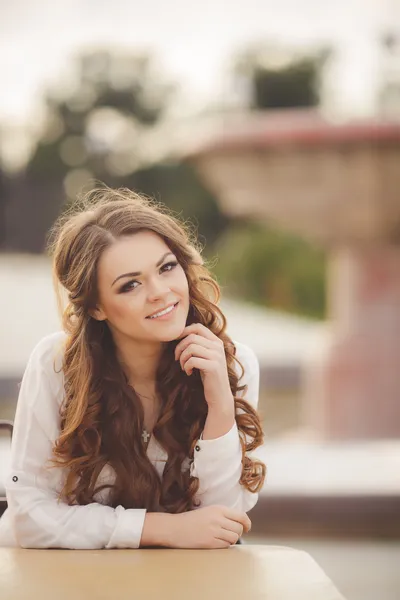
<point x="137" y="273"/>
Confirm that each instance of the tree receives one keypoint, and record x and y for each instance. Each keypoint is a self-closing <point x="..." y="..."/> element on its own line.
<point x="106" y="127"/>
<point x="281" y="77"/>
<point x="93" y="130"/>
<point x="98" y="124"/>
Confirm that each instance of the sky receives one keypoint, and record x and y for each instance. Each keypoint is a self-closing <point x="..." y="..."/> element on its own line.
<point x="193" y="41"/>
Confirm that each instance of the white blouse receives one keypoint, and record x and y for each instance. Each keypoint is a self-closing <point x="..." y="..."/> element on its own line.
<point x="36" y="518"/>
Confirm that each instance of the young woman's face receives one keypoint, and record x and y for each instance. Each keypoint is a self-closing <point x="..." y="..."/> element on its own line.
<point x="138" y="276"/>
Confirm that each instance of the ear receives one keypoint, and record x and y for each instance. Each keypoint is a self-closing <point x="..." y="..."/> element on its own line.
<point x="98" y="314"/>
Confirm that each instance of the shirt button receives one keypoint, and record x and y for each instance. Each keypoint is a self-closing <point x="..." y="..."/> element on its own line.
<point x="197" y="448"/>
<point x="15" y="478"/>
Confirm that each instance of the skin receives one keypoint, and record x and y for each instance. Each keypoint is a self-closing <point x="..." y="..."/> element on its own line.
<point x="127" y="302"/>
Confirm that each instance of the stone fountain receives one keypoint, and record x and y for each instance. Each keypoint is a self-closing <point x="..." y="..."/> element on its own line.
<point x="339" y="186"/>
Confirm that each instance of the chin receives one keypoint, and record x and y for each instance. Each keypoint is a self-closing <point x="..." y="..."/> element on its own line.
<point x="173" y="332"/>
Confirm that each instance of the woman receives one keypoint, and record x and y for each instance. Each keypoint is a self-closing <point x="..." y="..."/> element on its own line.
<point x="131" y="428"/>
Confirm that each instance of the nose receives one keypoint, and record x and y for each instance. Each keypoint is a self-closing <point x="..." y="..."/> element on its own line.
<point x="157" y="289"/>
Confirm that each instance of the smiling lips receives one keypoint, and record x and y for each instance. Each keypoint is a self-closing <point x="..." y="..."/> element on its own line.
<point x="164" y="312"/>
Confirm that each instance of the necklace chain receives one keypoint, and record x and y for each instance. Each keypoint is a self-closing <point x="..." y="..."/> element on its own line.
<point x="145" y="434"/>
<point x="147" y="397"/>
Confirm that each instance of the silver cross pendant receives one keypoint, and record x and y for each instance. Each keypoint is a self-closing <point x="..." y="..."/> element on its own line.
<point x="145" y="436"/>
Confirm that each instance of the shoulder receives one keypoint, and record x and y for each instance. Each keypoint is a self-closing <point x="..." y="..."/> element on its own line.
<point x="41" y="390"/>
<point x="246" y="356"/>
<point x="251" y="373"/>
<point x="48" y="353"/>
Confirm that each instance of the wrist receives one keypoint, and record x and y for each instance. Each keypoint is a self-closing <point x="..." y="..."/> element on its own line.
<point x="220" y="420"/>
<point x="157" y="529"/>
<point x="222" y="410"/>
<point x="222" y="405"/>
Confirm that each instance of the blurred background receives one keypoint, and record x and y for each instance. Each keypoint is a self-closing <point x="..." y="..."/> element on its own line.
<point x="275" y="128"/>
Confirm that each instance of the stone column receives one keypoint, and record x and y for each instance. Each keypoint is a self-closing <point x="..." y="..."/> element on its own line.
<point x="352" y="390"/>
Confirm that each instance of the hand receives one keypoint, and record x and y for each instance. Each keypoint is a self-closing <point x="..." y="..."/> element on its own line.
<point x="203" y="350"/>
<point x="208" y="527"/>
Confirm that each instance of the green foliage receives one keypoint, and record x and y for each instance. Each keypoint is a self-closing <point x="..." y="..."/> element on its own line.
<point x="288" y="80"/>
<point x="271" y="268"/>
<point x="118" y="93"/>
<point x="295" y="85"/>
<point x="178" y="186"/>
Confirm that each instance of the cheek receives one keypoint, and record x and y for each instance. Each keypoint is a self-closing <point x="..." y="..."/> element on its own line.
<point x="121" y="308"/>
<point x="182" y="283"/>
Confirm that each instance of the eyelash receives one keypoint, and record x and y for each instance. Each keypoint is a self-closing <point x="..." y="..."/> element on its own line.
<point x="127" y="287"/>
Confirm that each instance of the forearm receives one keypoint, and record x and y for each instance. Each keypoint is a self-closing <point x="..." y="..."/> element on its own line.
<point x="217" y="461"/>
<point x="220" y="420"/>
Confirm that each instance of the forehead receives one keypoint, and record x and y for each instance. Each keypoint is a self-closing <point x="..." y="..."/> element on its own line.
<point x="137" y="252"/>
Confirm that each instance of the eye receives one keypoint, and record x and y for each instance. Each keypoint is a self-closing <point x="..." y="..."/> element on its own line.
<point x="129" y="285"/>
<point x="171" y="264"/>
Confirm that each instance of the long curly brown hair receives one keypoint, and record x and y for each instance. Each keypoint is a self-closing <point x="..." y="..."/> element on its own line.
<point x="101" y="415"/>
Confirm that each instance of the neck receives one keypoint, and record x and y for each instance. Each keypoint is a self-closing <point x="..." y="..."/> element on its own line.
<point x="139" y="360"/>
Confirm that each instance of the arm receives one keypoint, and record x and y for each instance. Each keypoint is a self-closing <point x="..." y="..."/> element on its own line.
<point x="38" y="518"/>
<point x="218" y="461"/>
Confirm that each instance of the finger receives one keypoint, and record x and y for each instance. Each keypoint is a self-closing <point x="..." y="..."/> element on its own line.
<point x="195" y="350"/>
<point x="240" y="517"/>
<point x="200" y="329"/>
<point x="193" y="338"/>
<point x="233" y="526"/>
<point x="228" y="536"/>
<point x="219" y="544"/>
<point x="197" y="363"/>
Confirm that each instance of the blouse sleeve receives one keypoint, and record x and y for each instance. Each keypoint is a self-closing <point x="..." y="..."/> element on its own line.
<point x="218" y="463"/>
<point x="39" y="519"/>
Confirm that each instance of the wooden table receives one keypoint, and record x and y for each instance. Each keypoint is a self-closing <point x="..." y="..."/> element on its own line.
<point x="247" y="572"/>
